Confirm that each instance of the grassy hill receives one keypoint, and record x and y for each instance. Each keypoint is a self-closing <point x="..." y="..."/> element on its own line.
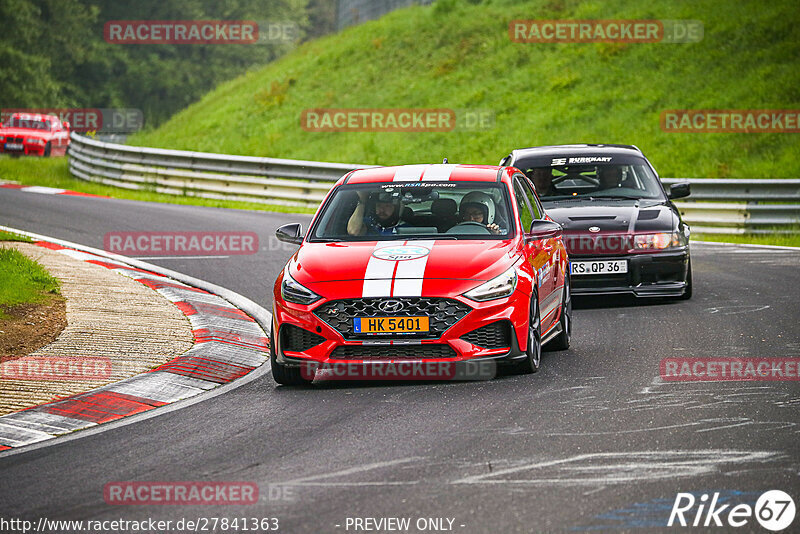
<point x="457" y="54"/>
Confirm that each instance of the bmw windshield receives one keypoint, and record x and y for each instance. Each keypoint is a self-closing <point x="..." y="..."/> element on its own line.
<point x="28" y="124"/>
<point x="388" y="211"/>
<point x="633" y="180"/>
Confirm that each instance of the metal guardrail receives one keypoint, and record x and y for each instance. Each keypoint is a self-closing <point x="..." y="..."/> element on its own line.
<point x="734" y="206"/>
<point x="203" y="174"/>
<point x="715" y="206"/>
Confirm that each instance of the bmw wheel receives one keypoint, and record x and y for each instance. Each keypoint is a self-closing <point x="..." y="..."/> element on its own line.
<point x="687" y="293"/>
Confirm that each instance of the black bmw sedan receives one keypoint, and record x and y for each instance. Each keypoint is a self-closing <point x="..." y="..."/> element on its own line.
<point x="621" y="229"/>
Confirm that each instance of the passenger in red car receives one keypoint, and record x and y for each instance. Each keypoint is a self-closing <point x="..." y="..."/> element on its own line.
<point x="479" y="207"/>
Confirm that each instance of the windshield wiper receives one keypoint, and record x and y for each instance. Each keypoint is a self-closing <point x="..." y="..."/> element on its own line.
<point x="427" y="237"/>
<point x="567" y="199"/>
<point x="620" y="197"/>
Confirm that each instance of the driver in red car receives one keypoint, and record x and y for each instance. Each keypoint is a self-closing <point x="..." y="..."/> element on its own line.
<point x="478" y="207"/>
<point x="383" y="221"/>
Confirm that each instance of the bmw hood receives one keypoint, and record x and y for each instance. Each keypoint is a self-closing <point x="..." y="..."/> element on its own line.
<point x="628" y="216"/>
<point x="23" y="132"/>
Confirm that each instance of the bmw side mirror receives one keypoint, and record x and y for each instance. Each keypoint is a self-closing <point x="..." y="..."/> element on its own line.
<point x="290" y="233"/>
<point x="679" y="190"/>
<point x="65" y="124"/>
<point x="544" y="229"/>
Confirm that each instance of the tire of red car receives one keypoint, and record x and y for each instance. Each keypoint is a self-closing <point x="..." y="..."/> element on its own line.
<point x="287" y="376"/>
<point x="562" y="340"/>
<point x="533" y="351"/>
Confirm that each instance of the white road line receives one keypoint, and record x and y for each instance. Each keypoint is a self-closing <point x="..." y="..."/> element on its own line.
<point x="180" y="257"/>
<point x="310" y="480"/>
<point x="43" y="190"/>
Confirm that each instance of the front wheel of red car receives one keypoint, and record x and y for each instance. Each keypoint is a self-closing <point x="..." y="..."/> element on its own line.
<point x="287" y="376"/>
<point x="47" y="148"/>
<point x="533" y="352"/>
<point x="562" y="340"/>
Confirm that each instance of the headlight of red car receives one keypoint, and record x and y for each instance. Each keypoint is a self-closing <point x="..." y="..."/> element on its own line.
<point x="498" y="287"/>
<point x="293" y="291"/>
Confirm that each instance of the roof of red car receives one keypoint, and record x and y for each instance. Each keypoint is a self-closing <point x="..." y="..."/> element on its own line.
<point x="425" y="173"/>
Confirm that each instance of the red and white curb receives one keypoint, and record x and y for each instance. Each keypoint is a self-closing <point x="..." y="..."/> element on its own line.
<point x="229" y="344"/>
<point x="47" y="190"/>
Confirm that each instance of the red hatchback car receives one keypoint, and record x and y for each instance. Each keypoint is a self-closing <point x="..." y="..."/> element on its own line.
<point x="422" y="264"/>
<point x="34" y="135"/>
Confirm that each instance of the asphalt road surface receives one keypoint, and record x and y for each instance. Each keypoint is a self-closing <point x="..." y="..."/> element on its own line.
<point x="595" y="440"/>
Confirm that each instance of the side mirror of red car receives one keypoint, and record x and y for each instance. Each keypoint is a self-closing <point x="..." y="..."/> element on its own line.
<point x="290" y="233"/>
<point x="543" y="229"/>
<point x="65" y="124"/>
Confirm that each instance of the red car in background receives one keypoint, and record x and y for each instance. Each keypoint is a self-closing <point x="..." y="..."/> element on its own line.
<point x="422" y="264"/>
<point x="34" y="135"/>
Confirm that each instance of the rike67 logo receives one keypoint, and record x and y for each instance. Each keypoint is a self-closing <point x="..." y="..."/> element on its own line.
<point x="774" y="510"/>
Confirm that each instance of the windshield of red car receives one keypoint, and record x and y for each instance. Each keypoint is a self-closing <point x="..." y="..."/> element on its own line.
<point x="28" y="124"/>
<point x="424" y="210"/>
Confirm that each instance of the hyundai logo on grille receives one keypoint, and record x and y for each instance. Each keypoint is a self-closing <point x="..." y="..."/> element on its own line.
<point x="390" y="306"/>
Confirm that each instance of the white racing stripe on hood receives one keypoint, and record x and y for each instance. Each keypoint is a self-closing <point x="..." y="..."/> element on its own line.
<point x="391" y="278"/>
<point x="409" y="173"/>
<point x="410" y="274"/>
<point x="438" y="173"/>
<point x="378" y="276"/>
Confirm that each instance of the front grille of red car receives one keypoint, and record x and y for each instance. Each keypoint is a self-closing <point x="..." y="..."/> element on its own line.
<point x="385" y="352"/>
<point x="492" y="336"/>
<point x="443" y="313"/>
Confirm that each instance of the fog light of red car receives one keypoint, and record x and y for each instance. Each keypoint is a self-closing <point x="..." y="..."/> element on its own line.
<point x="34" y="141"/>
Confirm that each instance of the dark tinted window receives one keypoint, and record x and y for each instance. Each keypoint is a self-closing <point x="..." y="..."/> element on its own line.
<point x="632" y="179"/>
